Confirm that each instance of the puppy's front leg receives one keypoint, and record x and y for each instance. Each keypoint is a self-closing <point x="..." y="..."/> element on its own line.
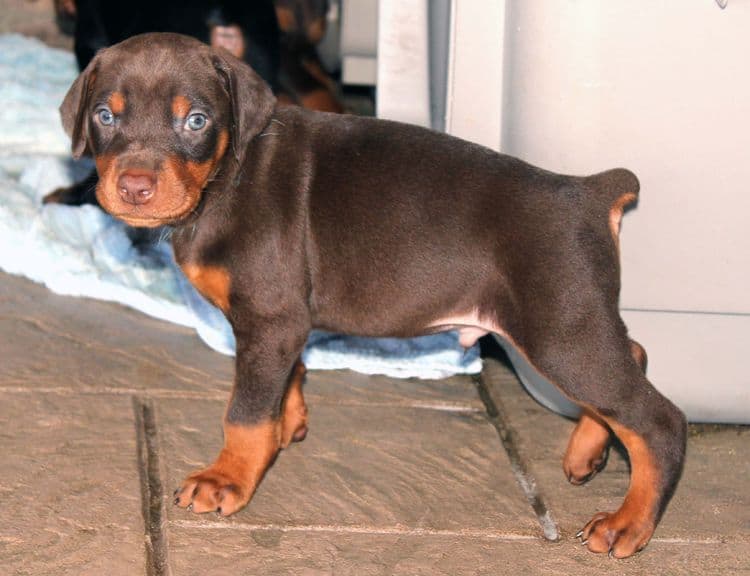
<point x="265" y="414"/>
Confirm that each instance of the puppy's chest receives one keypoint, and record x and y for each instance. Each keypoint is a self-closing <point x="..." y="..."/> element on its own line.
<point x="213" y="282"/>
<point x="204" y="265"/>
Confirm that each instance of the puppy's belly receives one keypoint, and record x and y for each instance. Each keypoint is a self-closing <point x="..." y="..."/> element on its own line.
<point x="470" y="327"/>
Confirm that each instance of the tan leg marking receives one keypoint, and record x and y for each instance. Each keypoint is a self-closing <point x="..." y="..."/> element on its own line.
<point x="586" y="454"/>
<point x="587" y="450"/>
<point x="629" y="529"/>
<point x="294" y="410"/>
<point x="229" y="483"/>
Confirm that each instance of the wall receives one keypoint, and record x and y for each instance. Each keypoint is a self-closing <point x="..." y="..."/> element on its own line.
<point x="663" y="89"/>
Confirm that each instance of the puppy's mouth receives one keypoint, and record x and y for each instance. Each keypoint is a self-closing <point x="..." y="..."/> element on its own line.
<point x="147" y="197"/>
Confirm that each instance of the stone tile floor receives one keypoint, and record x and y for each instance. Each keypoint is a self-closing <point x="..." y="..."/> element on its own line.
<point x="103" y="410"/>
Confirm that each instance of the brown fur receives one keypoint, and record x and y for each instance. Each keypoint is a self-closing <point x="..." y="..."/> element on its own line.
<point x="311" y="220"/>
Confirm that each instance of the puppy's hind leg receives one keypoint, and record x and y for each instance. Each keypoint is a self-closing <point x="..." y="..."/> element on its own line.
<point x="588" y="447"/>
<point x="604" y="377"/>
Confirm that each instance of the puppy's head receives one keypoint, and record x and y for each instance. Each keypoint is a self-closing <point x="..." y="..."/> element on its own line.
<point x="162" y="114"/>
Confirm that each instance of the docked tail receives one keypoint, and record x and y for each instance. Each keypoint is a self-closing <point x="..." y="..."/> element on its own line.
<point x="616" y="189"/>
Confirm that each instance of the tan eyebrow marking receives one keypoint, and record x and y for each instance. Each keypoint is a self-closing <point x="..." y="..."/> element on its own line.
<point x="180" y="106"/>
<point x="117" y="102"/>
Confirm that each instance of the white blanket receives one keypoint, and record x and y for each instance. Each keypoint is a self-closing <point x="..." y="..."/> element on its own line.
<point x="81" y="251"/>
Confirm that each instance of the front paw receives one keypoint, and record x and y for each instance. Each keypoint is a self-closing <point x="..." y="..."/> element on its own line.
<point x="617" y="533"/>
<point x="229" y="483"/>
<point x="215" y="488"/>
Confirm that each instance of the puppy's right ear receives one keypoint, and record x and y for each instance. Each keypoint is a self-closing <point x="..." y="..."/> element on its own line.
<point x="73" y="110"/>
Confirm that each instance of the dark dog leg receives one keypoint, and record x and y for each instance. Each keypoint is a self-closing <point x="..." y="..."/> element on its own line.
<point x="265" y="414"/>
<point x="80" y="193"/>
<point x="588" y="446"/>
<point x="604" y="377"/>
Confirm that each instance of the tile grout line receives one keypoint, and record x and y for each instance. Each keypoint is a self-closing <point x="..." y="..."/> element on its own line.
<point x="152" y="491"/>
<point x="394" y="531"/>
<point x="349" y="529"/>
<point x="496" y="416"/>
<point x="166" y="393"/>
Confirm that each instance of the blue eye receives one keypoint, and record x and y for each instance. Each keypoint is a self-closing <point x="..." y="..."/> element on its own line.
<point x="106" y="117"/>
<point x="196" y="121"/>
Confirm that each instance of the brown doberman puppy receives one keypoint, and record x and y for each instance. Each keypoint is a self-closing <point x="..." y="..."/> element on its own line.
<point x="289" y="220"/>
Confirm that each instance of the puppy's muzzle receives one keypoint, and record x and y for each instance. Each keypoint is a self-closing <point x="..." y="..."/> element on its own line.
<point x="136" y="187"/>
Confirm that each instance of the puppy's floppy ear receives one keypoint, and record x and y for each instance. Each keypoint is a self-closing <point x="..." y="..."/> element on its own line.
<point x="251" y="98"/>
<point x="73" y="109"/>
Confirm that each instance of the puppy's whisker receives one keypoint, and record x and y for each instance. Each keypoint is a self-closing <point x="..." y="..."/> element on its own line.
<point x="166" y="234"/>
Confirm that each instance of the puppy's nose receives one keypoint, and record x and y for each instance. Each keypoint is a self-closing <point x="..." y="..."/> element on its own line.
<point x="136" y="188"/>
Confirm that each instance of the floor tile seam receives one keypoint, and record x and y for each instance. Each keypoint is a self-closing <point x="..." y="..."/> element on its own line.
<point x="496" y="414"/>
<point x="165" y="393"/>
<point x="708" y="541"/>
<point x="396" y="530"/>
<point x="152" y="492"/>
